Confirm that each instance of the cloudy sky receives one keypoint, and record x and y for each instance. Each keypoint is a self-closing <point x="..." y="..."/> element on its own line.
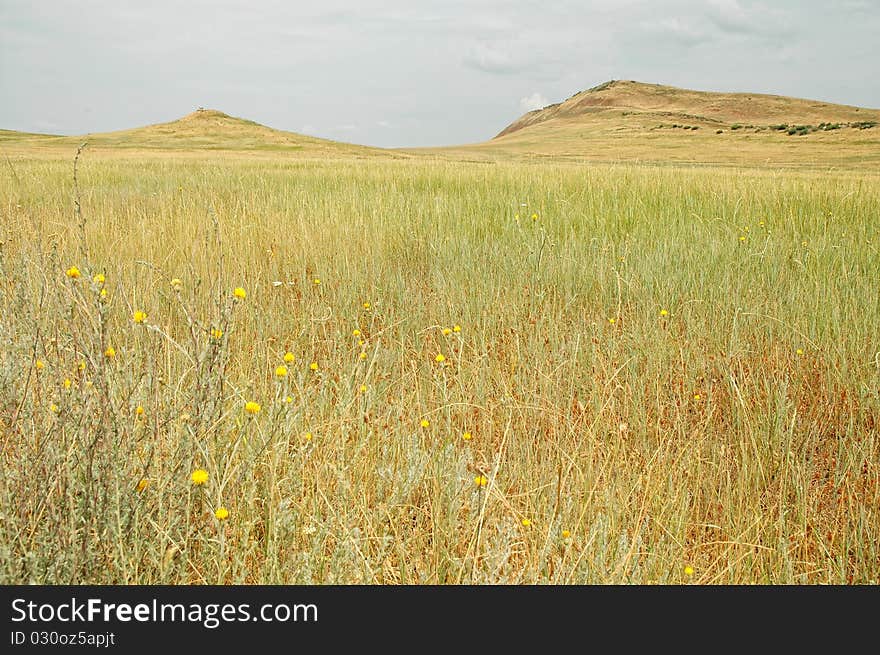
<point x="409" y="72"/>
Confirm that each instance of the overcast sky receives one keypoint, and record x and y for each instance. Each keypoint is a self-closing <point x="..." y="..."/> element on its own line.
<point x="409" y="72"/>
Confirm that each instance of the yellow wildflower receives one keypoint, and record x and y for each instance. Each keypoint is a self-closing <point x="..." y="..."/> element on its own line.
<point x="289" y="357"/>
<point x="481" y="481"/>
<point x="314" y="366"/>
<point x="281" y="372"/>
<point x="239" y="293"/>
<point x="440" y="358"/>
<point x="110" y="353"/>
<point x="251" y="407"/>
<point x="72" y="272"/>
<point x="221" y="513"/>
<point x="142" y="484"/>
<point x="199" y="476"/>
<point x="139" y="317"/>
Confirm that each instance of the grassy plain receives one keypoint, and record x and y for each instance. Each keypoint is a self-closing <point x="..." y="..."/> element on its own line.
<point x="665" y="374"/>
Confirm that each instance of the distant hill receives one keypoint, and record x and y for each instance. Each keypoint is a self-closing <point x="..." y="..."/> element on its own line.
<point x="704" y="108"/>
<point x="202" y="130"/>
<point x="634" y="121"/>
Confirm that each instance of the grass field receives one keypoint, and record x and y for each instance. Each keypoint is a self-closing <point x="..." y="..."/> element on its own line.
<point x="497" y="372"/>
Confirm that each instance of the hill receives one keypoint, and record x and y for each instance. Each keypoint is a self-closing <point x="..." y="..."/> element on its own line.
<point x="202" y="130"/>
<point x="627" y="120"/>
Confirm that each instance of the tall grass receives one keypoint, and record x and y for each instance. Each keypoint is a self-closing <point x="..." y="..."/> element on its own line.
<point x="659" y="368"/>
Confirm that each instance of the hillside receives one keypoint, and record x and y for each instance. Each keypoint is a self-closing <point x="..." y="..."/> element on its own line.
<point x="203" y="130"/>
<point x="626" y="121"/>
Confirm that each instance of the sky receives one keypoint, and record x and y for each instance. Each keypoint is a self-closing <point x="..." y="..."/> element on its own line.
<point x="400" y="73"/>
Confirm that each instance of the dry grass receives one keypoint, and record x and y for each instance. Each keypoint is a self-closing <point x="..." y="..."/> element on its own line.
<point x="663" y="368"/>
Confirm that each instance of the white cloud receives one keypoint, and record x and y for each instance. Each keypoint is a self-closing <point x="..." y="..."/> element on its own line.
<point x="533" y="102"/>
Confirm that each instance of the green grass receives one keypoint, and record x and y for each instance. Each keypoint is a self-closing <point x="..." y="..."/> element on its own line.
<point x="701" y="437"/>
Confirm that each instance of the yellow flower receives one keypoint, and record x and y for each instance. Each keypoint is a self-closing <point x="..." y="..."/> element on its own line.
<point x="314" y="366"/>
<point x="289" y="399"/>
<point x="363" y="388"/>
<point x="103" y="293"/>
<point x="67" y="383"/>
<point x="316" y="281"/>
<point x="199" y="476"/>
<point x="481" y="481"/>
<point x="216" y="333"/>
<point x="467" y="436"/>
<point x="697" y="396"/>
<point x="221" y="513"/>
<point x="663" y="312"/>
<point x="356" y="333"/>
<point x="799" y="351"/>
<point x="447" y="331"/>
<point x="566" y="534"/>
<point x="363" y="355"/>
<point x="534" y="217"/>
<point x="99" y="279"/>
<point x="424" y="423"/>
<point x="81" y="366"/>
<point x="689" y="570"/>
<point x="176" y="284"/>
<point x="281" y="372"/>
<point x="307" y="436"/>
<point x="251" y="407"/>
<point x="142" y="484"/>
<point x="39" y="364"/>
<point x="361" y="342"/>
<point x="239" y="293"/>
<point x="440" y="358"/>
<point x="72" y="272"/>
<point x="110" y="353"/>
<point x="289" y="357"/>
<point x="53" y="408"/>
<point x="612" y="321"/>
<point x="526" y="523"/>
<point x="742" y="238"/>
<point x="139" y="410"/>
<point x="367" y="306"/>
<point x="456" y="328"/>
<point x="139" y="317"/>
